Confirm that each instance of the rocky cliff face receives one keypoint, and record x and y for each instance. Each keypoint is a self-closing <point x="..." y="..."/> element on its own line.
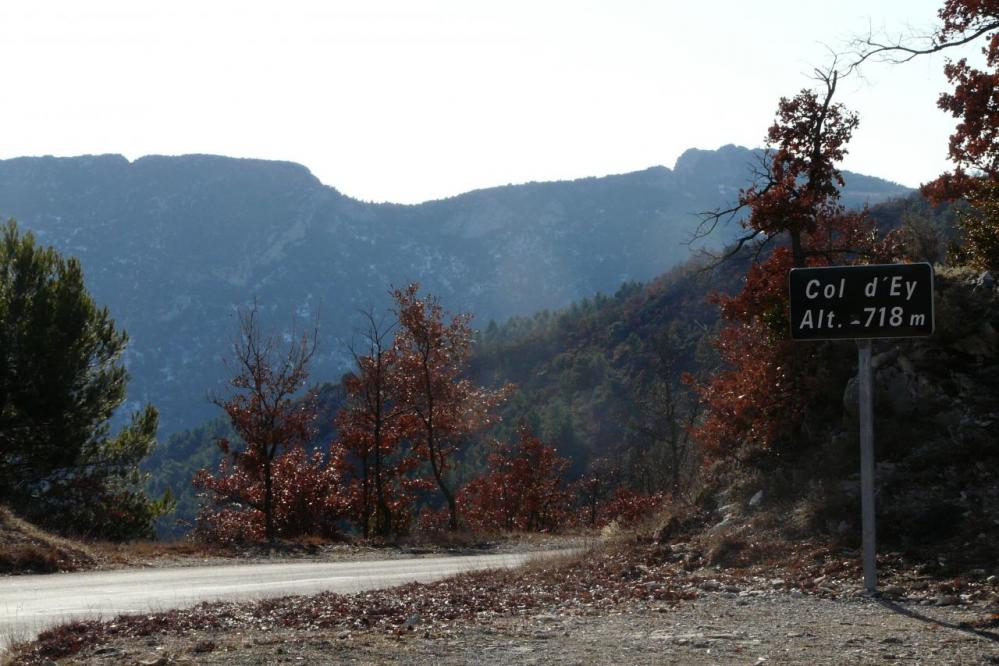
<point x="174" y="245"/>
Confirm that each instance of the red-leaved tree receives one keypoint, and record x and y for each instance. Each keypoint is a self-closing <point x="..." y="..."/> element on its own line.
<point x="594" y="487"/>
<point x="974" y="102"/>
<point x="523" y="489"/>
<point x="758" y="398"/>
<point x="372" y="427"/>
<point x="442" y="409"/>
<point x="974" y="145"/>
<point x="269" y="411"/>
<point x="627" y="507"/>
<point x="309" y="497"/>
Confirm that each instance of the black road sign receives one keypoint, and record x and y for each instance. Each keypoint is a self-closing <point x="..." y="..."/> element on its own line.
<point x="879" y="301"/>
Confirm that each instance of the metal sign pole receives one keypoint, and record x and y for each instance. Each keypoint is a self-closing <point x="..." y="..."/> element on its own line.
<point x="867" y="463"/>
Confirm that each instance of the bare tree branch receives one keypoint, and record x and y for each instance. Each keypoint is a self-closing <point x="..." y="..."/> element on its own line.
<point x="897" y="51"/>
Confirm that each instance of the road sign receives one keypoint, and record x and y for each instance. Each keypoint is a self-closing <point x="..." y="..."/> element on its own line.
<point x="861" y="302"/>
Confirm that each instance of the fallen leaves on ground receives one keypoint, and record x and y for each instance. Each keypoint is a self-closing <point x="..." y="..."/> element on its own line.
<point x="591" y="584"/>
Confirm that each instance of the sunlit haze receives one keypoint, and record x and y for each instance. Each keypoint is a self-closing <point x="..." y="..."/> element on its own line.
<point x="411" y="100"/>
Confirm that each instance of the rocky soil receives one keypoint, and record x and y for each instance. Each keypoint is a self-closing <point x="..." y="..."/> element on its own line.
<point x="720" y="627"/>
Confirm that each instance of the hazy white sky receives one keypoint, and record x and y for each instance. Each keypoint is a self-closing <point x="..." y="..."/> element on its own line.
<point x="409" y="100"/>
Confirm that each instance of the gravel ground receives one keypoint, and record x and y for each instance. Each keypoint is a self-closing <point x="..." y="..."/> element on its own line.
<point x="749" y="627"/>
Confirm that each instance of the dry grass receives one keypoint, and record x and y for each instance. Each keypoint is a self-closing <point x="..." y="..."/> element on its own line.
<point x="26" y="549"/>
<point x="137" y="552"/>
<point x="446" y="539"/>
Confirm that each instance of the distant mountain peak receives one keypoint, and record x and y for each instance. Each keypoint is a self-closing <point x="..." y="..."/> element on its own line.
<point x="729" y="156"/>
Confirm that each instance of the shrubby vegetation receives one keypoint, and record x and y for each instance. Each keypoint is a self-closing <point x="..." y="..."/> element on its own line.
<point x="524" y="489"/>
<point x="409" y="429"/>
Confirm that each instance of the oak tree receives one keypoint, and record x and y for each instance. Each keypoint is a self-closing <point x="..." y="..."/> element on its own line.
<point x="371" y="427"/>
<point x="593" y="488"/>
<point x="759" y="397"/>
<point x="974" y="102"/>
<point x="442" y="407"/>
<point x="795" y="191"/>
<point x="266" y="406"/>
<point x="309" y="496"/>
<point x="974" y="145"/>
<point x="523" y="489"/>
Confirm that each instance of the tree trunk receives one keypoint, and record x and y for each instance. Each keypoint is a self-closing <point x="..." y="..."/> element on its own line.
<point x="675" y="472"/>
<point x="269" y="504"/>
<point x="452" y="506"/>
<point x="365" y="498"/>
<point x="797" y="251"/>
<point x="674" y="450"/>
<point x="384" y="523"/>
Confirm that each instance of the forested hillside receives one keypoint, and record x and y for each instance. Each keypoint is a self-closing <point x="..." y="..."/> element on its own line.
<point x="586" y="380"/>
<point x="600" y="380"/>
<point x="172" y="245"/>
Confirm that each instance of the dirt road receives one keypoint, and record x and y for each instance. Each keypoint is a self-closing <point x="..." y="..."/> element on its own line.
<point x="29" y="604"/>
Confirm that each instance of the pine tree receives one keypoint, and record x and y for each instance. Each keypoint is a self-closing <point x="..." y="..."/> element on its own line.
<point x="61" y="380"/>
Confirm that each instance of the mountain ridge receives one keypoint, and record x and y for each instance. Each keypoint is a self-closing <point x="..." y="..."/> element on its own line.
<point x="174" y="245"/>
